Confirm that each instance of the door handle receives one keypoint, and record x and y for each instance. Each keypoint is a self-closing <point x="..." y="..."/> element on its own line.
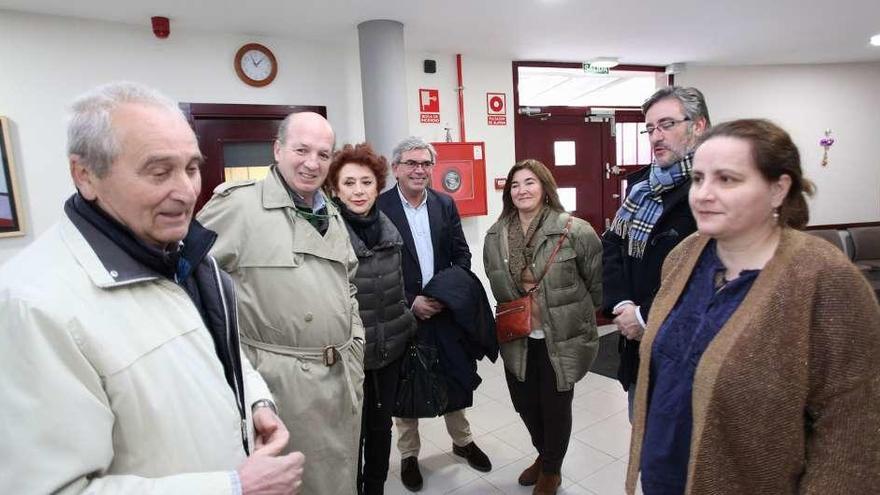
<point x="615" y="196"/>
<point x="609" y="170"/>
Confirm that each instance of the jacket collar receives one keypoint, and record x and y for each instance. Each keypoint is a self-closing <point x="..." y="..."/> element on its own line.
<point x="789" y="241"/>
<point x="405" y="203"/>
<point x="275" y="193"/>
<point x="553" y="225"/>
<point x="106" y="264"/>
<point x="389" y="236"/>
<point x="109" y="265"/>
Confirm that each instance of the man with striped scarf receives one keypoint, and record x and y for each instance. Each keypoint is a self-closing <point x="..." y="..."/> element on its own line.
<point x="654" y="218"/>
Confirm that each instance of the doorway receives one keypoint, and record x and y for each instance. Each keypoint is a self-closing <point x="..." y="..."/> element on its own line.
<point x="237" y="140"/>
<point x="585" y="128"/>
<point x="573" y="151"/>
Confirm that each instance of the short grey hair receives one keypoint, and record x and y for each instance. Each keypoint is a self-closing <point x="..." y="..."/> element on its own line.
<point x="282" y="129"/>
<point x="90" y="133"/>
<point x="412" y="143"/>
<point x="691" y="100"/>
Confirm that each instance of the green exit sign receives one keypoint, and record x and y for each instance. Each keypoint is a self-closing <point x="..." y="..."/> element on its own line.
<point x="591" y="69"/>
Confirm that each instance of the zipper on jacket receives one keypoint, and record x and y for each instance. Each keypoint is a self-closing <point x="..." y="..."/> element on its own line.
<point x="238" y="395"/>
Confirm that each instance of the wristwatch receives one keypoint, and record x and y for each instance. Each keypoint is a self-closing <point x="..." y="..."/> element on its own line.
<point x="264" y="403"/>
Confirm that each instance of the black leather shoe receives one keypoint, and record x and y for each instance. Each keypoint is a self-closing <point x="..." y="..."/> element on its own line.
<point x="476" y="458"/>
<point x="410" y="474"/>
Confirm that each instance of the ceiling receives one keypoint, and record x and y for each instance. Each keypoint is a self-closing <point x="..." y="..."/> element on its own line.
<point x="722" y="32"/>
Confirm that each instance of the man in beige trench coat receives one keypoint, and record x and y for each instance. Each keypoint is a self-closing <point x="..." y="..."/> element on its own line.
<point x="288" y="250"/>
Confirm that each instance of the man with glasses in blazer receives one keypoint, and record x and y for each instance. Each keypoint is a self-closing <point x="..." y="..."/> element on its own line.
<point x="433" y="239"/>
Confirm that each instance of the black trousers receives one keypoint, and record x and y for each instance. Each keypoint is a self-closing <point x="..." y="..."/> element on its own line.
<point x="375" y="445"/>
<point x="545" y="411"/>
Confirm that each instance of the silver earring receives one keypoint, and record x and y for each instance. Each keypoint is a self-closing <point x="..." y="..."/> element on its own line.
<point x="776" y="214"/>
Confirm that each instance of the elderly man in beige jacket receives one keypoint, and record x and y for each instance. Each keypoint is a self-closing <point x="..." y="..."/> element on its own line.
<point x="288" y="250"/>
<point x="121" y="368"/>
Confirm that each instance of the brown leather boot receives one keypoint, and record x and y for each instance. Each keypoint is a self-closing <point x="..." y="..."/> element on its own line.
<point x="547" y="484"/>
<point x="530" y="476"/>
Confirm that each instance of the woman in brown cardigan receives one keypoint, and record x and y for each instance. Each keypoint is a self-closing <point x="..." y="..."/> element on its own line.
<point x="761" y="360"/>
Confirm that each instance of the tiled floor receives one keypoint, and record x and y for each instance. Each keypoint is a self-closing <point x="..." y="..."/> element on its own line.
<point x="594" y="465"/>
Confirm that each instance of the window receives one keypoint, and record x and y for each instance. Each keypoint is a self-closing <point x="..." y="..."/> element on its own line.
<point x="565" y="86"/>
<point x="568" y="198"/>
<point x="563" y="153"/>
<point x="633" y="147"/>
<point x="247" y="160"/>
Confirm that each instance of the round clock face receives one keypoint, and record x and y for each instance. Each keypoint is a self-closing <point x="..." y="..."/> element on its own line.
<point x="255" y="64"/>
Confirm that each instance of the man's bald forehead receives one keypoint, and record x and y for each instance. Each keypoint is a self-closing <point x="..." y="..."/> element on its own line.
<point x="309" y="117"/>
<point x="304" y="121"/>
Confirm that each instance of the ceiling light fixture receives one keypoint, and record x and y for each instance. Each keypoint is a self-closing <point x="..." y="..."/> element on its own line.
<point x="604" y="62"/>
<point x="875" y="40"/>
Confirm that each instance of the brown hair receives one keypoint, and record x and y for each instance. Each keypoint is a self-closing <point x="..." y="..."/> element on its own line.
<point x="361" y="154"/>
<point x="551" y="197"/>
<point x="775" y="154"/>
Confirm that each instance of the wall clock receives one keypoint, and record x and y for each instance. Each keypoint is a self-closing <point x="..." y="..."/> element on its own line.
<point x="255" y="65"/>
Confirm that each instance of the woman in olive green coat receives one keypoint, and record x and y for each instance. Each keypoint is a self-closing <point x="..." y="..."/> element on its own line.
<point x="542" y="368"/>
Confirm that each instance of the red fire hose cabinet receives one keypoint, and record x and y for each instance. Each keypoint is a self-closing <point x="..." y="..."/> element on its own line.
<point x="460" y="172"/>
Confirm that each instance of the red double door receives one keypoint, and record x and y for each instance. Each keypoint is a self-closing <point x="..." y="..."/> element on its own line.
<point x="581" y="156"/>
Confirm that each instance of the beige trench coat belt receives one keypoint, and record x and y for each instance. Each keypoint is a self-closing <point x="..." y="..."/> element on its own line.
<point x="328" y="355"/>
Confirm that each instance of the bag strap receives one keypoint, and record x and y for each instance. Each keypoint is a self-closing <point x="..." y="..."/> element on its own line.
<point x="552" y="257"/>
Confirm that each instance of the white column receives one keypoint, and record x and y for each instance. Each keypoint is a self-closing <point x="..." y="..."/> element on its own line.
<point x="383" y="82"/>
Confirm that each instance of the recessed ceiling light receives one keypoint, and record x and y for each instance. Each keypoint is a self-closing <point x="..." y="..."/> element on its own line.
<point x="875" y="40"/>
<point x="604" y="62"/>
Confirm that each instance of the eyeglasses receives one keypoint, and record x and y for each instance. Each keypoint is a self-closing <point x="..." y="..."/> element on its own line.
<point x="663" y="125"/>
<point x="412" y="164"/>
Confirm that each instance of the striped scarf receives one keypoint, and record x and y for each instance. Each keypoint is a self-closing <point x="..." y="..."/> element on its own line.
<point x="644" y="205"/>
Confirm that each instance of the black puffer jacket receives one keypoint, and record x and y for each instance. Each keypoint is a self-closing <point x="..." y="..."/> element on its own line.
<point x="388" y="322"/>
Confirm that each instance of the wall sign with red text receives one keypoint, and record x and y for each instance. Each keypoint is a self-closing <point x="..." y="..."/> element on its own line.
<point x="496" y="108"/>
<point x="429" y="106"/>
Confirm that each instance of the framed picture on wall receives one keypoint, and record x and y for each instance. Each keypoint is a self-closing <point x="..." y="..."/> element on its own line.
<point x="11" y="214"/>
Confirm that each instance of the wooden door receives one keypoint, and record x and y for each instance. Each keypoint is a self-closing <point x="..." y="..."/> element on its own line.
<point x="539" y="137"/>
<point x="575" y="152"/>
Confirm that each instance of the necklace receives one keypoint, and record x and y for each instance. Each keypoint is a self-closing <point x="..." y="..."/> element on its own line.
<point x="720" y="282"/>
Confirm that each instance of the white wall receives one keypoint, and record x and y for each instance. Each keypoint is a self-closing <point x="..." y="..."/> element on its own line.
<point x="47" y="61"/>
<point x="805" y="100"/>
<point x="480" y="76"/>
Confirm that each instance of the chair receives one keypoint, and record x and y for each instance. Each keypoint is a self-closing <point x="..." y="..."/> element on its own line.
<point x="866" y="247"/>
<point x="832" y="236"/>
